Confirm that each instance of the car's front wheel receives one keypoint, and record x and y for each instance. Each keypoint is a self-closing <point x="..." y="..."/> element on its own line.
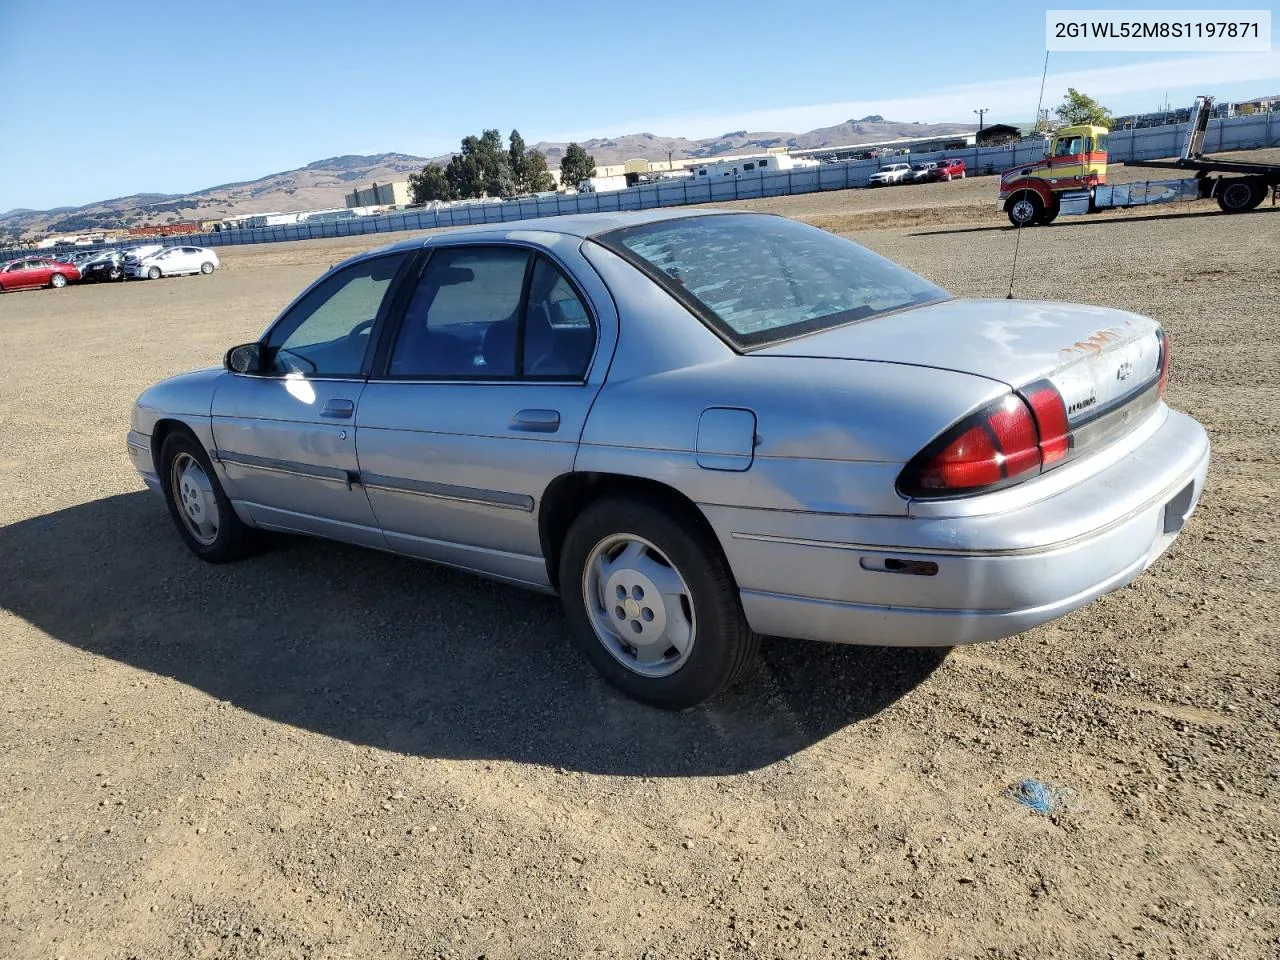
<point x="153" y="273"/>
<point x="652" y="604"/>
<point x="199" y="508"/>
<point x="1025" y="209"/>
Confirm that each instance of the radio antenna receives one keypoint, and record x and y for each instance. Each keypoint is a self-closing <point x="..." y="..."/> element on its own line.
<point x="1017" y="244"/>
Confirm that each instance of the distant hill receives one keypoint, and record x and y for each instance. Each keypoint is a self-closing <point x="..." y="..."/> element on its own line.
<point x="867" y="130"/>
<point x="318" y="185"/>
<point x="324" y="183"/>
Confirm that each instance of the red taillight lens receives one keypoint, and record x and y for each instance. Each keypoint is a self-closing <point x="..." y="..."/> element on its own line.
<point x="1051" y="419"/>
<point x="1015" y="431"/>
<point x="991" y="447"/>
<point x="1164" y="363"/>
<point x="1017" y="435"/>
<point x="970" y="460"/>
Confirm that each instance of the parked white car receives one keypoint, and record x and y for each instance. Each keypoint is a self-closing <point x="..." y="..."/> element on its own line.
<point x="171" y="262"/>
<point x="893" y="173"/>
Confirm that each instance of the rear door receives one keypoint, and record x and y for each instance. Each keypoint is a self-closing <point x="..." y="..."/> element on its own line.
<point x="190" y="259"/>
<point x="480" y="404"/>
<point x="38" y="272"/>
<point x="286" y="438"/>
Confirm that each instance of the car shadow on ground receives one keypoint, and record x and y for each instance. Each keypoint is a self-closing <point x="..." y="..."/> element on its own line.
<point x="406" y="656"/>
<point x="1085" y="221"/>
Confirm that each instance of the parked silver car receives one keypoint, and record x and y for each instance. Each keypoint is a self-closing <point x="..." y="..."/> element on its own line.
<point x="697" y="428"/>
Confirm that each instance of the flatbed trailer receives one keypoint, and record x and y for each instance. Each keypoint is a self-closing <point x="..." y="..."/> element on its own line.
<point x="1034" y="195"/>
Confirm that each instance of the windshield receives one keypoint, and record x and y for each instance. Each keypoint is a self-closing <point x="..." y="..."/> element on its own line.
<point x="758" y="279"/>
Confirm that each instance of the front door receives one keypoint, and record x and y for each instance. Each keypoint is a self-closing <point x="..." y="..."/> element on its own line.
<point x="15" y="275"/>
<point x="480" y="406"/>
<point x="285" y="438"/>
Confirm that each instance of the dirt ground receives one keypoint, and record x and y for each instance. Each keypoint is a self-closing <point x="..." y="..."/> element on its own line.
<point x="324" y="753"/>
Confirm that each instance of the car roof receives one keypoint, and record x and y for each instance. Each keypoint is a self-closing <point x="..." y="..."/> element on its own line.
<point x="582" y="225"/>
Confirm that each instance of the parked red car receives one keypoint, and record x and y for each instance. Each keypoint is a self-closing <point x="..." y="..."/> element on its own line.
<point x="950" y="169"/>
<point x="37" y="272"/>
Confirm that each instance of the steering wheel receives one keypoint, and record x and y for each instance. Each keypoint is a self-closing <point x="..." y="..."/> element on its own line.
<point x="360" y="329"/>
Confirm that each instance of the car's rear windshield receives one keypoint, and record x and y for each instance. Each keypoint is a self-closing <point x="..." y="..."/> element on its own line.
<point x="757" y="279"/>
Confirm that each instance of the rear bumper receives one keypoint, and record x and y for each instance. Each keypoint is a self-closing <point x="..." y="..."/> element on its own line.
<point x="824" y="577"/>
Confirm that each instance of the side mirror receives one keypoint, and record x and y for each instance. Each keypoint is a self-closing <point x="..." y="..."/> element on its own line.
<point x="246" y="358"/>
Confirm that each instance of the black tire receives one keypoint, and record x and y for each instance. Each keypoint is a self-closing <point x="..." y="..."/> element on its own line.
<point x="1024" y="208"/>
<point x="1049" y="214"/>
<point x="233" y="540"/>
<point x="723" y="645"/>
<point x="1240" y="194"/>
<point x="206" y="268"/>
<point x="57" y="281"/>
<point x="153" y="273"/>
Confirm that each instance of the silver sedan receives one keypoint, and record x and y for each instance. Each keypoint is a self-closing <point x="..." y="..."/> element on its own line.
<point x="696" y="428"/>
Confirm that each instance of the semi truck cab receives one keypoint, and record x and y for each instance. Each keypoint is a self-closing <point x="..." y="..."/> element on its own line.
<point x="1076" y="159"/>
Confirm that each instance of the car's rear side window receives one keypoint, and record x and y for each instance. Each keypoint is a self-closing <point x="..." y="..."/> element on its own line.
<point x="757" y="279"/>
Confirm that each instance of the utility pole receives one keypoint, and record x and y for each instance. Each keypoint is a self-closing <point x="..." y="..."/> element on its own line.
<point x="981" y="112"/>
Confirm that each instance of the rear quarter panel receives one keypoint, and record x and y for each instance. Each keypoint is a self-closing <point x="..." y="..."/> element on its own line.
<point x="831" y="434"/>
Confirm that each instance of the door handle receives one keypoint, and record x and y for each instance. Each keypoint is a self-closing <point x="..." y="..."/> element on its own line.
<point x="338" y="409"/>
<point x="536" y="421"/>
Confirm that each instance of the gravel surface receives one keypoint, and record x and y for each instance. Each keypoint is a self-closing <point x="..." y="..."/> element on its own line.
<point x="323" y="752"/>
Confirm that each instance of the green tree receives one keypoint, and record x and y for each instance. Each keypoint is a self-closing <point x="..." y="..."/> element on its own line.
<point x="430" y="184"/>
<point x="576" y="166"/>
<point x="516" y="159"/>
<point x="528" y="167"/>
<point x="482" y="169"/>
<point x="538" y="178"/>
<point x="1077" y="108"/>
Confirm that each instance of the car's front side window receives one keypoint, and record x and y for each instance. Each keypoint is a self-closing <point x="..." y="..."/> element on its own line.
<point x="328" y="332"/>
<point x="463" y="319"/>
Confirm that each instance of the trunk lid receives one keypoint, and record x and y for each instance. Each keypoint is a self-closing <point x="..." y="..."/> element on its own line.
<point x="1096" y="357"/>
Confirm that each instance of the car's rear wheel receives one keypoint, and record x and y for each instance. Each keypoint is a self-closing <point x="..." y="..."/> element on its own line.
<point x="153" y="273"/>
<point x="57" y="281"/>
<point x="652" y="604"/>
<point x="200" y="509"/>
<point x="1024" y="209"/>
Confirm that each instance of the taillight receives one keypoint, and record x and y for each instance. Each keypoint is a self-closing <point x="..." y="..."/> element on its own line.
<point x="987" y="449"/>
<point x="1018" y="435"/>
<point x="1051" y="419"/>
<point x="1164" y="362"/>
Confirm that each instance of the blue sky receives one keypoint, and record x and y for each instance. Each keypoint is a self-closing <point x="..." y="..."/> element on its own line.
<point x="210" y="93"/>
